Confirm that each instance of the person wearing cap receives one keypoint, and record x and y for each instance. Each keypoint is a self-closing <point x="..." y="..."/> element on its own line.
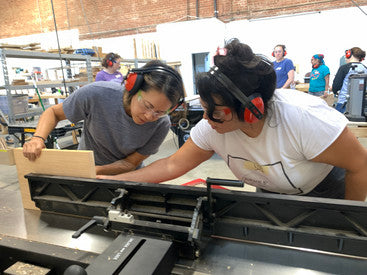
<point x="319" y="78"/>
<point x="354" y="57"/>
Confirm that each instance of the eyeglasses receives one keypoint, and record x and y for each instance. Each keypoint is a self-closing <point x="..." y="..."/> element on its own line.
<point x="148" y="107"/>
<point x="219" y="114"/>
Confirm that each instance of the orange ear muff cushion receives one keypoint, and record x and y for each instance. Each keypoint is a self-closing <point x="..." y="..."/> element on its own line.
<point x="285" y="53"/>
<point x="130" y="81"/>
<point x="249" y="117"/>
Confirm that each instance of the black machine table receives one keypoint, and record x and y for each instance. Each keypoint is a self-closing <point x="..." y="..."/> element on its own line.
<point x="179" y="230"/>
<point x="60" y="130"/>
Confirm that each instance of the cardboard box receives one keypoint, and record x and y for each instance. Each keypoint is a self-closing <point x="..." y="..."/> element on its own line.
<point x="7" y="157"/>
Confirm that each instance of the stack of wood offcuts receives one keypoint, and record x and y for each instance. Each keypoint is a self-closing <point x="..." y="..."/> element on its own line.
<point x="17" y="82"/>
<point x="26" y="47"/>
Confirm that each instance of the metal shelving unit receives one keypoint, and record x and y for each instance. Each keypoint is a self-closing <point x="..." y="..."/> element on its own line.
<point x="10" y="53"/>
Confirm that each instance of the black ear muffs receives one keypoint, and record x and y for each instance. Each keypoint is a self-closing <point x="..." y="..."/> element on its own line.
<point x="135" y="78"/>
<point x="251" y="116"/>
<point x="253" y="106"/>
<point x="348" y="53"/>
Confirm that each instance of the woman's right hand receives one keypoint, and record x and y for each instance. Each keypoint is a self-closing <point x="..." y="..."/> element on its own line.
<point x="32" y="149"/>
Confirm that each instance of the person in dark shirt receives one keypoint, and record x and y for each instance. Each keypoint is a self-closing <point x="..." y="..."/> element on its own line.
<point x="354" y="57"/>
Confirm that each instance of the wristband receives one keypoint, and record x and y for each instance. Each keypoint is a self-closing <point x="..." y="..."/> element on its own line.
<point x="44" y="140"/>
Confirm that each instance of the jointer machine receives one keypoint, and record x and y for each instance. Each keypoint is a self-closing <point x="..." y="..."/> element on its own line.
<point x="169" y="229"/>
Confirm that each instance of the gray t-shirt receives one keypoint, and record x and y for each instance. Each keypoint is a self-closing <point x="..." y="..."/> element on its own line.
<point x="108" y="131"/>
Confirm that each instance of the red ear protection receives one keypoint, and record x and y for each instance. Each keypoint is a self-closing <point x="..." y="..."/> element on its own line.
<point x="253" y="106"/>
<point x="348" y="54"/>
<point x="132" y="81"/>
<point x="110" y="60"/>
<point x="258" y="102"/>
<point x="284" y="53"/>
<point x="135" y="79"/>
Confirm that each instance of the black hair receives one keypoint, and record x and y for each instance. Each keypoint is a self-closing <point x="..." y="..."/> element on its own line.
<point x="167" y="81"/>
<point x="249" y="72"/>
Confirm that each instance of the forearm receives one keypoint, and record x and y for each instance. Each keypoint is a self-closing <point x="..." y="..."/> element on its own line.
<point x="117" y="167"/>
<point x="327" y="83"/>
<point x="156" y="172"/>
<point x="287" y="84"/>
<point x="47" y="122"/>
<point x="290" y="80"/>
<point x="356" y="185"/>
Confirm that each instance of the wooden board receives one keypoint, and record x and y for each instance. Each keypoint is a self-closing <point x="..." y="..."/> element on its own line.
<point x="359" y="132"/>
<point x="6" y="157"/>
<point x="74" y="163"/>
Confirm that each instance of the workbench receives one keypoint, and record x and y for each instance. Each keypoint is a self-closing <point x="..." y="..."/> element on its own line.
<point x="47" y="236"/>
<point x="60" y="130"/>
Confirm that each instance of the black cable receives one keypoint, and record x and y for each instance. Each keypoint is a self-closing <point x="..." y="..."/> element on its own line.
<point x="58" y="45"/>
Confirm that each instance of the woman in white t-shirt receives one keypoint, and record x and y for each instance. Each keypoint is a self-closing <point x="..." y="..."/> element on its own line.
<point x="280" y="141"/>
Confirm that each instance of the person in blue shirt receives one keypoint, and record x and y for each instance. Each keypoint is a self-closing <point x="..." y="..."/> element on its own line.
<point x="283" y="67"/>
<point x="319" y="78"/>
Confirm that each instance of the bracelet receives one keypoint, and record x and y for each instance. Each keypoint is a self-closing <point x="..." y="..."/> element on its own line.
<point x="44" y="140"/>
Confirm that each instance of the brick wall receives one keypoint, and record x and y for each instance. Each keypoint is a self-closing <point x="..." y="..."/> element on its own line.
<point x="99" y="19"/>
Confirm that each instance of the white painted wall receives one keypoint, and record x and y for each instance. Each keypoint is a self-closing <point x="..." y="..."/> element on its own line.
<point x="327" y="32"/>
<point x="180" y="40"/>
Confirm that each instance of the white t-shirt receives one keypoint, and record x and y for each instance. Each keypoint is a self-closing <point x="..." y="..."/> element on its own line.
<point x="298" y="127"/>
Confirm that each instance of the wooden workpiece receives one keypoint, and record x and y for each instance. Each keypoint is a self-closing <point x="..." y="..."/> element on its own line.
<point x="74" y="163"/>
<point x="359" y="129"/>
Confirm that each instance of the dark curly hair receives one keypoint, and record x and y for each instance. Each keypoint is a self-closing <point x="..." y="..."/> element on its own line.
<point x="249" y="72"/>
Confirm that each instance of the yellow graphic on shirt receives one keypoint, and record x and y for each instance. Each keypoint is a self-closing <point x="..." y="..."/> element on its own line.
<point x="249" y="165"/>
